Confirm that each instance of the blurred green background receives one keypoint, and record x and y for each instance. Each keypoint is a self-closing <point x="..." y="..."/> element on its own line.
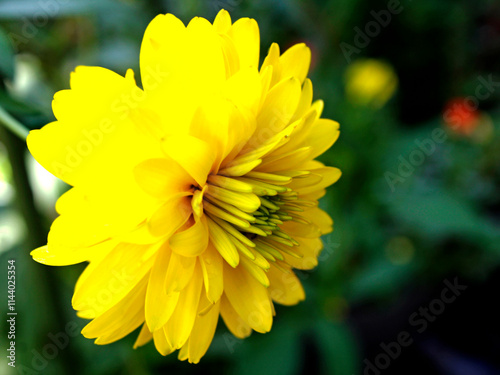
<point x="414" y="87"/>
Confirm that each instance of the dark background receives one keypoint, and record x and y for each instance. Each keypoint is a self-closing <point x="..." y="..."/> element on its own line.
<point x="407" y="223"/>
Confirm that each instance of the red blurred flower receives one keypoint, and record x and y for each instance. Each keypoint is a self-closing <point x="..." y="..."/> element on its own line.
<point x="461" y="116"/>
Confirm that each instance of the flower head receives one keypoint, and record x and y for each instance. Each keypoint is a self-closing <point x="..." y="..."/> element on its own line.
<point x="460" y="117"/>
<point x="370" y="83"/>
<point x="194" y="196"/>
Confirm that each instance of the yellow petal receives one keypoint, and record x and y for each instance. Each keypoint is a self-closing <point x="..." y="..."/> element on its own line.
<point x="244" y="89"/>
<point x="239" y="169"/>
<point x="161" y="343"/>
<point x="295" y="62"/>
<point x="147" y="121"/>
<point x="272" y="60"/>
<point x="310" y="248"/>
<point x="222" y="21"/>
<point x="92" y="140"/>
<point x="277" y="110"/>
<point x="256" y="148"/>
<point x="310" y="165"/>
<point x="170" y="217"/>
<point x="302" y="230"/>
<point x="314" y="196"/>
<point x="73" y="199"/>
<point x="246" y="38"/>
<point x="233" y="321"/>
<point x="81" y="229"/>
<point x="192" y="241"/>
<point x="329" y="176"/>
<point x="266" y="75"/>
<point x="312" y="179"/>
<point x="285" y="287"/>
<point x="157" y="47"/>
<point x="305" y="100"/>
<point x="121" y="319"/>
<point x="113" y="277"/>
<point x="139" y="235"/>
<point x="319" y="218"/>
<point x="229" y="183"/>
<point x="179" y="273"/>
<point x="283" y="162"/>
<point x="212" y="123"/>
<point x="144" y="337"/>
<point x="257" y="273"/>
<point x="180" y="324"/>
<point x="202" y="334"/>
<point x="241" y="134"/>
<point x="159" y="305"/>
<point x="60" y="256"/>
<point x="230" y="53"/>
<point x="323" y="135"/>
<point x="221" y="241"/>
<point x="93" y="264"/>
<point x="297" y="137"/>
<point x="90" y="216"/>
<point x="162" y="177"/>
<point x="211" y="265"/>
<point x="180" y="66"/>
<point x="318" y="106"/>
<point x="193" y="154"/>
<point x="159" y="66"/>
<point x="249" y="298"/>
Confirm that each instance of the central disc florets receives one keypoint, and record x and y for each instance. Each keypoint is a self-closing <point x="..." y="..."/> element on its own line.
<point x="245" y="214"/>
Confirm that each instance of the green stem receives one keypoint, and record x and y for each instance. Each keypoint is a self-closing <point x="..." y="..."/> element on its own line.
<point x="12" y="124"/>
<point x="42" y="285"/>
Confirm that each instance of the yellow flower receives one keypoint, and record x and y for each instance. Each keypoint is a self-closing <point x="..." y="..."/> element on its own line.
<point x="191" y="197"/>
<point x="370" y="83"/>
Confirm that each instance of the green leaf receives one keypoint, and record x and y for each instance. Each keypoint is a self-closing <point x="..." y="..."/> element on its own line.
<point x="6" y="56"/>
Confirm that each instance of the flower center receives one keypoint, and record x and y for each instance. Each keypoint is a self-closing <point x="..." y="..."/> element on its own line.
<point x="250" y="210"/>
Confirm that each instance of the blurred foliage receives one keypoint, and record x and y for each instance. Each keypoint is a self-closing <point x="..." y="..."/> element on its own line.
<point x="394" y="236"/>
